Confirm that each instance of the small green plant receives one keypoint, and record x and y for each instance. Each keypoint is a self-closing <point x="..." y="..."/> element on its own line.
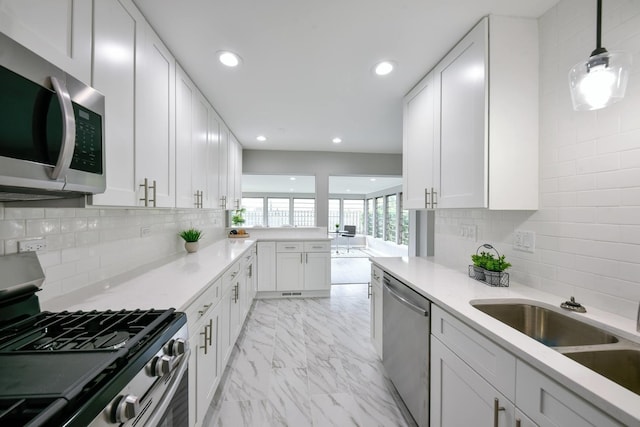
<point x="482" y="259"/>
<point x="337" y="226"/>
<point x="497" y="264"/>
<point x="191" y="235"/>
<point x="237" y="218"/>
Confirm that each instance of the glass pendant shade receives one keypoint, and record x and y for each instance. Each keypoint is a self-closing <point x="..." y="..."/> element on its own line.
<point x="600" y="81"/>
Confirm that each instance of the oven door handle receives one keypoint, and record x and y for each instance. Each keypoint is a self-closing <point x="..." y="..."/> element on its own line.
<point x="68" y="130"/>
<point x="162" y="406"/>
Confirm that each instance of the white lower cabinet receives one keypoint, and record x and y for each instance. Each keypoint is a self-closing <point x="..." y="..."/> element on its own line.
<point x="215" y="320"/>
<point x="469" y="371"/>
<point x="375" y="305"/>
<point x="299" y="266"/>
<point x="461" y="397"/>
<point x="548" y="404"/>
<point x="266" y="259"/>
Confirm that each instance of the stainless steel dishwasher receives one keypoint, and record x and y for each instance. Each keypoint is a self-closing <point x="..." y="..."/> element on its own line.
<point x="405" y="345"/>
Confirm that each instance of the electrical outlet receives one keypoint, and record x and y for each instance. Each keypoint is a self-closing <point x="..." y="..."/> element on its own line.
<point x="145" y="231"/>
<point x="524" y="240"/>
<point x="32" y="245"/>
<point x="469" y="232"/>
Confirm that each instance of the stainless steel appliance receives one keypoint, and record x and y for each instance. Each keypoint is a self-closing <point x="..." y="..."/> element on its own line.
<point x="52" y="131"/>
<point x="405" y="347"/>
<point x="89" y="368"/>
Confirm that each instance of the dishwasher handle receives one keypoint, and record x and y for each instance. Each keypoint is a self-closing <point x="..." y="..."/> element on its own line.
<point x="405" y="301"/>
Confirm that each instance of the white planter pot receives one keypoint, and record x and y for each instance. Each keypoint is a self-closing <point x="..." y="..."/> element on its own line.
<point x="191" y="247"/>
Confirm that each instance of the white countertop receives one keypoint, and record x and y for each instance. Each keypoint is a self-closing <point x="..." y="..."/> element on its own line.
<point x="175" y="284"/>
<point x="453" y="291"/>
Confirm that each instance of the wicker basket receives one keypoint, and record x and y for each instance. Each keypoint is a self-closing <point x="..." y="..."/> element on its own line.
<point x="491" y="278"/>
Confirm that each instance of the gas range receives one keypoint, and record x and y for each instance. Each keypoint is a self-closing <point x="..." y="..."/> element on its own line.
<point x="90" y="368"/>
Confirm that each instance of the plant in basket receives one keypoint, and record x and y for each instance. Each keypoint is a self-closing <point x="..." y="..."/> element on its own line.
<point x="489" y="268"/>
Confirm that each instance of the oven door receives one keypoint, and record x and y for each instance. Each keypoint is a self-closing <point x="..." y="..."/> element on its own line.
<point x="173" y="408"/>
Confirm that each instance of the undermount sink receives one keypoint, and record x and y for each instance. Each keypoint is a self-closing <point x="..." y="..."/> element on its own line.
<point x="546" y="326"/>
<point x="620" y="366"/>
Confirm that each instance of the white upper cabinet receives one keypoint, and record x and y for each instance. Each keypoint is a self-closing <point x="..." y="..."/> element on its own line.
<point x="417" y="145"/>
<point x="185" y="94"/>
<point x="155" y="120"/>
<point x="213" y="160"/>
<point x="200" y="151"/>
<point x="223" y="169"/>
<point x="114" y="74"/>
<point x="484" y="120"/>
<point x="57" y="30"/>
<point x="234" y="183"/>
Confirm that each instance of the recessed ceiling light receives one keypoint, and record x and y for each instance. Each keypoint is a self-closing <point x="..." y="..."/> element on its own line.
<point x="229" y="59"/>
<point x="291" y="190"/>
<point x="383" y="68"/>
<point x="293" y="178"/>
<point x="261" y="138"/>
<point x="336" y="140"/>
<point x="372" y="179"/>
<point x="348" y="191"/>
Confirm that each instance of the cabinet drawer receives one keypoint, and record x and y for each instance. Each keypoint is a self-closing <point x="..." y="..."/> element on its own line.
<point x="229" y="276"/>
<point x="317" y="246"/>
<point x="205" y="303"/>
<point x="488" y="359"/>
<point x="289" y="246"/>
<point x="547" y="403"/>
<point x="376" y="276"/>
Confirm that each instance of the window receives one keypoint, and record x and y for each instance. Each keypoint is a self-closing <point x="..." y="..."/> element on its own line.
<point x="353" y="213"/>
<point x="254" y="214"/>
<point x="334" y="214"/>
<point x="278" y="212"/>
<point x="404" y="224"/>
<point x="379" y="217"/>
<point x="304" y="212"/>
<point x="369" y="217"/>
<point x="390" y="218"/>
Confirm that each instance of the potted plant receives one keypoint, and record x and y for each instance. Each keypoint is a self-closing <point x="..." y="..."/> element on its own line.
<point x="237" y="218"/>
<point x="191" y="238"/>
<point x="337" y="227"/>
<point x="489" y="268"/>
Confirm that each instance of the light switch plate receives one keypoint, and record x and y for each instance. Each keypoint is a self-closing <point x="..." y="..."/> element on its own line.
<point x="524" y="241"/>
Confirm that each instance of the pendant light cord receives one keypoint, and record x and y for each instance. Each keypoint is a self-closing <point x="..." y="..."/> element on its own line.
<point x="599" y="48"/>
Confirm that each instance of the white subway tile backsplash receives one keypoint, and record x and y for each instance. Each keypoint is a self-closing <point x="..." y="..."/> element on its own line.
<point x="39" y="227"/>
<point x="12" y="229"/>
<point x="24" y="213"/>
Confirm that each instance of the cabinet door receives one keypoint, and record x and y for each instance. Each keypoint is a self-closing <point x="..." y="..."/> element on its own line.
<point x="289" y="271"/>
<point x="115" y="33"/>
<point x="213" y="175"/>
<point x="376" y="317"/>
<point x="317" y="271"/>
<point x="522" y="420"/>
<point x="417" y="145"/>
<point x="185" y="93"/>
<point x="223" y="169"/>
<point x="549" y="404"/>
<point x="235" y="311"/>
<point x="207" y="362"/>
<point x="266" y="266"/>
<point x="236" y="173"/>
<point x="155" y="119"/>
<point x="59" y="31"/>
<point x="199" y="148"/>
<point x="462" y="147"/>
<point x="224" y="349"/>
<point x="461" y="397"/>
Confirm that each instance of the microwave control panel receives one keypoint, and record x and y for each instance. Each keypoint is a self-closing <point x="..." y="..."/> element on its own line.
<point x="87" y="155"/>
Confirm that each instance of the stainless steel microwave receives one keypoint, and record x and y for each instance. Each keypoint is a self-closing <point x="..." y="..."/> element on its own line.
<point x="51" y="129"/>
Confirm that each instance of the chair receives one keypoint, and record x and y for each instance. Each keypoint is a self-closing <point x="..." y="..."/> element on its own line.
<point x="349" y="232"/>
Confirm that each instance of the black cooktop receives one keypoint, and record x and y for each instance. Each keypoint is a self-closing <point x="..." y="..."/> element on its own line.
<point x="53" y="363"/>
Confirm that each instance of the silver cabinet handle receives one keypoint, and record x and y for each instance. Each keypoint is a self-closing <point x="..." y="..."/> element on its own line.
<point x="427" y="198"/>
<point x="434" y="196"/>
<point x="145" y="199"/>
<point x="153" y="187"/>
<point x="496" y="409"/>
<point x="223" y="202"/>
<point x="68" y="130"/>
<point x="369" y="291"/>
<point x="210" y="332"/>
<point x="289" y="247"/>
<point x="204" y="333"/>
<point x="518" y="422"/>
<point x="300" y="257"/>
<point x="306" y="258"/>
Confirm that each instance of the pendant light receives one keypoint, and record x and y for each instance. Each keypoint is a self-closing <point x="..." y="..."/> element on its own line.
<point x="602" y="79"/>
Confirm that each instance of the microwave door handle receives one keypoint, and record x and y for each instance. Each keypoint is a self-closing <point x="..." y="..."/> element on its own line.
<point x="68" y="130"/>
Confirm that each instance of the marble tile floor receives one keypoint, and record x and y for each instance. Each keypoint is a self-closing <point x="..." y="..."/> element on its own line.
<point x="307" y="362"/>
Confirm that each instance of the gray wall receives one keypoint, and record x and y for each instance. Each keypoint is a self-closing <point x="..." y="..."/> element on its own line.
<point x="322" y="165"/>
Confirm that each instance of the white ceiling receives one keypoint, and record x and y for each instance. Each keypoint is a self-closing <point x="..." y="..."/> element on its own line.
<point x="306" y="74"/>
